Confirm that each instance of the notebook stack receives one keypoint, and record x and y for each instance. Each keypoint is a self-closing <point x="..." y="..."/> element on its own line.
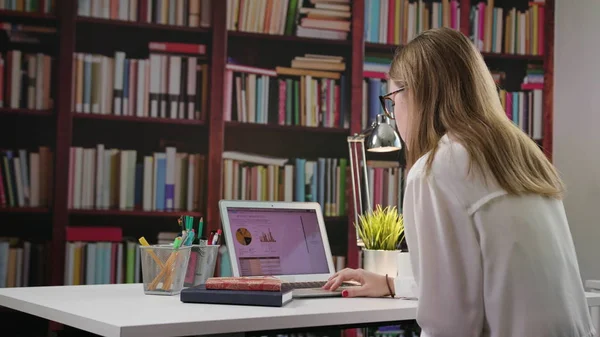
<point x="257" y="291"/>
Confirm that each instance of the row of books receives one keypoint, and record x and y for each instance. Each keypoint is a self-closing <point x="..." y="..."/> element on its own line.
<point x="22" y="263"/>
<point x="255" y="177"/>
<point x="386" y="184"/>
<point x="375" y="70"/>
<point x="372" y="89"/>
<point x="189" y="13"/>
<point x="26" y="178"/>
<point x="171" y="83"/>
<point x="100" y="255"/>
<point x="101" y="178"/>
<point x="302" y="94"/>
<point x="41" y="6"/>
<point x="508" y="30"/>
<point x="318" y="18"/>
<point x="534" y="77"/>
<point x="525" y="109"/>
<point x="399" y="21"/>
<point x="25" y="80"/>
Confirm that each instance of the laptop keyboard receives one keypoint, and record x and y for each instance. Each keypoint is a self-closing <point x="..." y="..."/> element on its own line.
<point x="305" y="285"/>
<point x="309" y="285"/>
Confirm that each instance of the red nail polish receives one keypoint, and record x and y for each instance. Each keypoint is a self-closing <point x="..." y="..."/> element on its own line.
<point x="345" y="293"/>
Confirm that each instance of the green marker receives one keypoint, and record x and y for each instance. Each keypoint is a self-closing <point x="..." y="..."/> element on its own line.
<point x="177" y="243"/>
<point x="200" y="227"/>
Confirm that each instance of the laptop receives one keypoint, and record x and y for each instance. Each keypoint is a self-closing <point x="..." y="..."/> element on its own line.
<point x="287" y="240"/>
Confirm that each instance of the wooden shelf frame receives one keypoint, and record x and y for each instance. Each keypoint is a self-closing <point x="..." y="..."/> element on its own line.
<point x="10" y="15"/>
<point x="286" y="128"/>
<point x="30" y="210"/>
<point x="218" y="39"/>
<point x="135" y="119"/>
<point x="133" y="212"/>
<point x="287" y="38"/>
<point x="25" y="112"/>
<point x="82" y="20"/>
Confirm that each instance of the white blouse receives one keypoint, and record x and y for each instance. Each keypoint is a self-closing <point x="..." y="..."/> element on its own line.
<point x="487" y="263"/>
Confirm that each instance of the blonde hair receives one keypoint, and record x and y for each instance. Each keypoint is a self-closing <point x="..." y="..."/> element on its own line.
<point x="453" y="92"/>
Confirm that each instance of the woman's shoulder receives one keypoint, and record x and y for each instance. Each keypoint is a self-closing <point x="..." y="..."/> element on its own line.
<point x="451" y="162"/>
<point x="452" y="174"/>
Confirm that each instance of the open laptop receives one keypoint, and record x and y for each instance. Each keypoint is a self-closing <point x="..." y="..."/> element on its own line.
<point x="287" y="240"/>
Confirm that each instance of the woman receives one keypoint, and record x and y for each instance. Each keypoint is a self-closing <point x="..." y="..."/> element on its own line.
<point x="490" y="245"/>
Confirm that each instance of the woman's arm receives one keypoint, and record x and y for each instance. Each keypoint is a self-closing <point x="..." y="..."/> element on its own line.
<point x="446" y="259"/>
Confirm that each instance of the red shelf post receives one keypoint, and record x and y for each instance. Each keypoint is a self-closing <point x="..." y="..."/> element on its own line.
<point x="64" y="132"/>
<point x="216" y="125"/>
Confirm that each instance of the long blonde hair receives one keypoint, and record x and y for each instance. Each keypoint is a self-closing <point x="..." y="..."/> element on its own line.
<point x="453" y="92"/>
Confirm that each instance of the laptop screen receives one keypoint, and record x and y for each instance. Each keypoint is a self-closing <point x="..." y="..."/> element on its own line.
<point x="271" y="242"/>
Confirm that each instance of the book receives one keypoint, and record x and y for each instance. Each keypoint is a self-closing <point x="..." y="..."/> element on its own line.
<point x="244" y="283"/>
<point x="199" y="294"/>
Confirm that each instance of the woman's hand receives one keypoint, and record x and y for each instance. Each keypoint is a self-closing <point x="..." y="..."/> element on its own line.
<point x="371" y="284"/>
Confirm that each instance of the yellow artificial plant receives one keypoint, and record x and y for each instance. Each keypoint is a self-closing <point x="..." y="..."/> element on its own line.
<point x="381" y="229"/>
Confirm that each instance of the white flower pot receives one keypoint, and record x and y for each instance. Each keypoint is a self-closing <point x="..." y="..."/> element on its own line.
<point x="381" y="261"/>
<point x="403" y="265"/>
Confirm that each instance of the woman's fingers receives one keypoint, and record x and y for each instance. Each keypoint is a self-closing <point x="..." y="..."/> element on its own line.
<point x="334" y="276"/>
<point x="337" y="282"/>
<point x="328" y="284"/>
<point x="338" y="278"/>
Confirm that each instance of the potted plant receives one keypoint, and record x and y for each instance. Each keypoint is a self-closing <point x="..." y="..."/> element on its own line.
<point x="382" y="232"/>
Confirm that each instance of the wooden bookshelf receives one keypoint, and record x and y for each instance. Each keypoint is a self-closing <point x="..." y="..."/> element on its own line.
<point x="285" y="128"/>
<point x="38" y="17"/>
<point x="28" y="112"/>
<point x="216" y="134"/>
<point x="532" y="58"/>
<point x="149" y="27"/>
<point x="381" y="47"/>
<point x="136" y="213"/>
<point x="237" y="36"/>
<point x="36" y="210"/>
<point x="135" y="119"/>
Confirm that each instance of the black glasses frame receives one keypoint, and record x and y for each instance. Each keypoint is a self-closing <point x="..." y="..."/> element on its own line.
<point x="382" y="99"/>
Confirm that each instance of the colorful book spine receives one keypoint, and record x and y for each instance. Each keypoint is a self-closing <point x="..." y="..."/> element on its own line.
<point x="171" y="83"/>
<point x="22" y="262"/>
<point x="40" y="6"/>
<point x="508" y="30"/>
<point x="25" y="80"/>
<point x="397" y="22"/>
<point x="290" y="17"/>
<point x="25" y="178"/>
<point x="102" y="178"/>
<point x="311" y="92"/>
<point x="322" y="180"/>
<point x="188" y="13"/>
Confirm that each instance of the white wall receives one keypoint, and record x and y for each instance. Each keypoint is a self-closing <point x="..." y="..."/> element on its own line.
<point x="577" y="123"/>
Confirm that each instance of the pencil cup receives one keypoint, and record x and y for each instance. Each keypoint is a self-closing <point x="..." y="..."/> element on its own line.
<point x="163" y="268"/>
<point x="203" y="260"/>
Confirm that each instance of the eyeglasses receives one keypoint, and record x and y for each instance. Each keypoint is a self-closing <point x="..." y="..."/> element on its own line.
<point x="387" y="102"/>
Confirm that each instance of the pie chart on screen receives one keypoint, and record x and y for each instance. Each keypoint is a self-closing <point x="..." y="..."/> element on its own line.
<point x="243" y="236"/>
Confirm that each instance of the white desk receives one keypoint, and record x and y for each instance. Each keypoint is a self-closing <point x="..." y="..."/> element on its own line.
<point x="123" y="310"/>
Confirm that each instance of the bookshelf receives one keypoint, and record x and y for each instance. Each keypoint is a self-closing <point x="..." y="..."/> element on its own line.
<point x="211" y="134"/>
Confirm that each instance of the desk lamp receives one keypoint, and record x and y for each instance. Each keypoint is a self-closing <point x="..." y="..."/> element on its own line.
<point x="381" y="136"/>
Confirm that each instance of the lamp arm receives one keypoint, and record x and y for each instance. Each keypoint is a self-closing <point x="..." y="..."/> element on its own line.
<point x="352" y="175"/>
<point x="364" y="157"/>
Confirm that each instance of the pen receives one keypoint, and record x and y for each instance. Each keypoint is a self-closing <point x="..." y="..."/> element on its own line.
<point x="210" y="238"/>
<point x="216" y="237"/>
<point x="177" y="243"/>
<point x="184" y="237"/>
<point x="189" y="240"/>
<point x="200" y="227"/>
